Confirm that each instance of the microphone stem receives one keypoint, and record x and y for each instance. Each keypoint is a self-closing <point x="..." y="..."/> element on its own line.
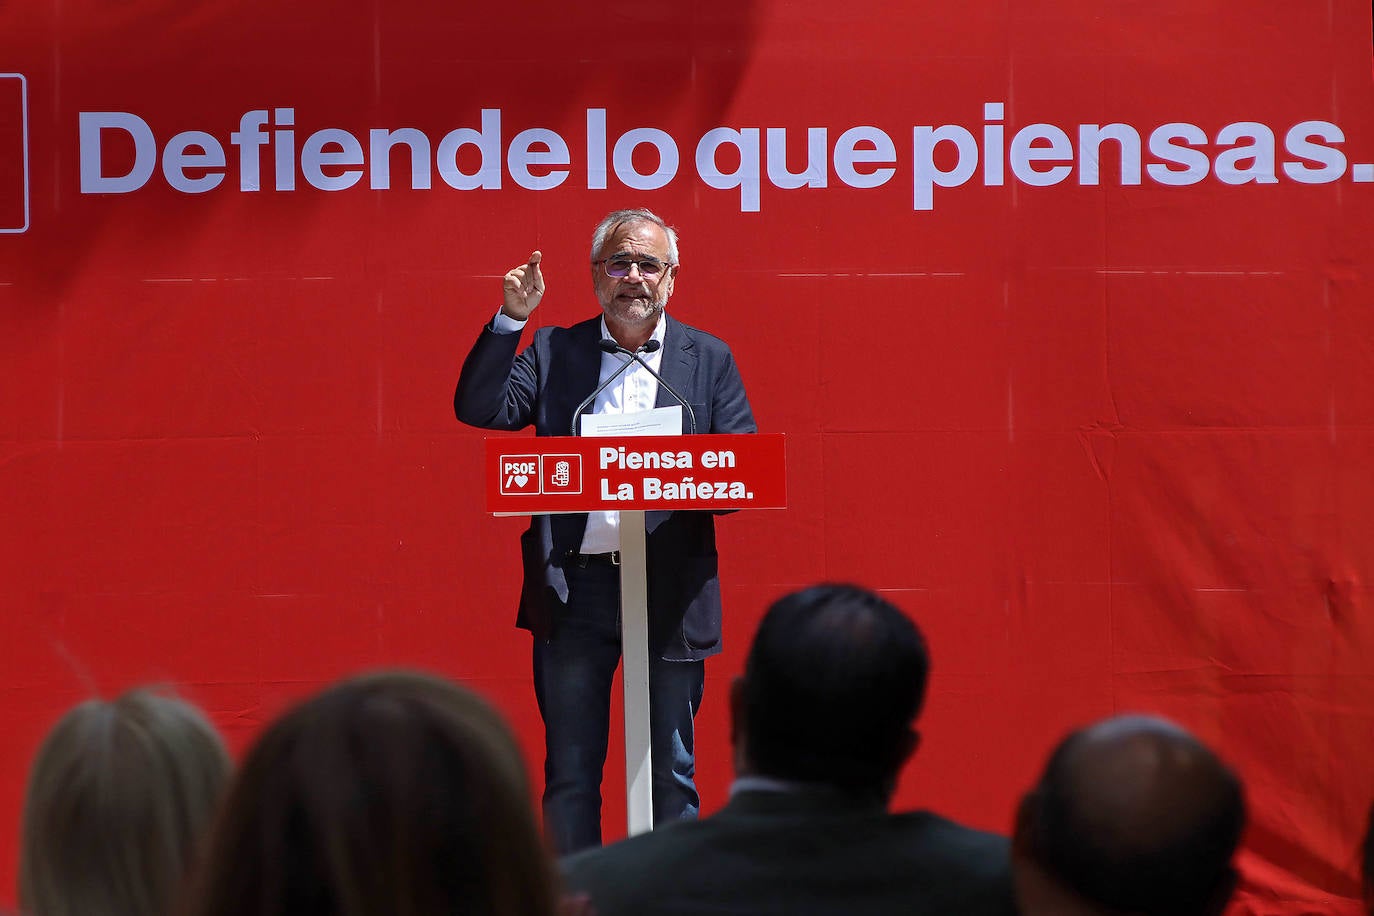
<point x="611" y="346"/>
<point x="691" y="414"/>
<point x="577" y="414"/>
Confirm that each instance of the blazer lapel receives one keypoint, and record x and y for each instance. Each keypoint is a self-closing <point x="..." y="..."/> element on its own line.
<point x="580" y="372"/>
<point x="572" y="377"/>
<point x="678" y="368"/>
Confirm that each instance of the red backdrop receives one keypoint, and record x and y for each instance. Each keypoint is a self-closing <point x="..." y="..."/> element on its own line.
<point x="1096" y="412"/>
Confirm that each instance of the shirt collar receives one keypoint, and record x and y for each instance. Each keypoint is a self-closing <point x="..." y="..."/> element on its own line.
<point x="765" y="784"/>
<point x="660" y="329"/>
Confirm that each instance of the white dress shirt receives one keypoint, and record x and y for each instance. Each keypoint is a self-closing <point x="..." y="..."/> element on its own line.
<point x="634" y="391"/>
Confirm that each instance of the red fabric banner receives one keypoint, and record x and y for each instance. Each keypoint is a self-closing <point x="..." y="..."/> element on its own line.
<point x="1065" y="309"/>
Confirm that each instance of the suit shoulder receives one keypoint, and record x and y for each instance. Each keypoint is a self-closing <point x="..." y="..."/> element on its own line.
<point x="558" y="336"/>
<point x="952" y="842"/>
<point x="704" y="339"/>
<point x="945" y="828"/>
<point x="602" y="872"/>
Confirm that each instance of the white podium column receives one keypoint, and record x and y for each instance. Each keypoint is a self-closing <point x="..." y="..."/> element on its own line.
<point x="634" y="653"/>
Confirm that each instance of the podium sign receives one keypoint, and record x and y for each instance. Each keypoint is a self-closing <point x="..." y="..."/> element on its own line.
<point x="584" y="474"/>
<point x="632" y="475"/>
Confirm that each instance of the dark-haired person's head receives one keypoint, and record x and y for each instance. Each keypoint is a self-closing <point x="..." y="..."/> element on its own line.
<point x="1132" y="815"/>
<point x="120" y="796"/>
<point x="390" y="794"/>
<point x="830" y="693"/>
<point x="1367" y="864"/>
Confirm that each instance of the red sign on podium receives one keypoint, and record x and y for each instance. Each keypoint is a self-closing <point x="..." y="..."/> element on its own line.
<point x="586" y="474"/>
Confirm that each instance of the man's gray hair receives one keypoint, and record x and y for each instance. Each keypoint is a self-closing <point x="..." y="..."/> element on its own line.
<point x="617" y="218"/>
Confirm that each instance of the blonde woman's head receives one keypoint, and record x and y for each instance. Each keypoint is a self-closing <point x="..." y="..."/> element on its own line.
<point x="119" y="796"/>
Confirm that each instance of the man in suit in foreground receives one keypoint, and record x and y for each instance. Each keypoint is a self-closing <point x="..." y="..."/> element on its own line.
<point x="1132" y="815"/>
<point x="822" y="722"/>
<point x="570" y="598"/>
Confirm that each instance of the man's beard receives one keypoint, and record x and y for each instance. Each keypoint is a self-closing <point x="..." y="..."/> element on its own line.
<point x="642" y="308"/>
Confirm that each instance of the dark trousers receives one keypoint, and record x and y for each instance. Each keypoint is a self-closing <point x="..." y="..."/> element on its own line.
<point x="572" y="682"/>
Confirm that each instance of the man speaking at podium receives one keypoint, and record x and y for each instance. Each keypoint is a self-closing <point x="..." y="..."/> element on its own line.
<point x="570" y="598"/>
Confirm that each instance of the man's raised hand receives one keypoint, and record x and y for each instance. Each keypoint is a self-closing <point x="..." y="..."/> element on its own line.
<point x="522" y="288"/>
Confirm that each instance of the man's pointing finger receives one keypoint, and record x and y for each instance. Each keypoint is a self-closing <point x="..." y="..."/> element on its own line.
<point x="536" y="275"/>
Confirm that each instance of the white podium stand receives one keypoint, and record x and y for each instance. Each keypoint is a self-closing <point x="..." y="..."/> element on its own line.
<point x="634" y="659"/>
<point x="629" y="475"/>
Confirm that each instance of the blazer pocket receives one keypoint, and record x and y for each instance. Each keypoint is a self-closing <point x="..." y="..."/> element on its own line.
<point x="701" y="617"/>
<point x="531" y="552"/>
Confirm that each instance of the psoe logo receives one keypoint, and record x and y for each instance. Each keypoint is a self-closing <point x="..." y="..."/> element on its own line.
<point x="520" y="475"/>
<point x="14" y="153"/>
<point x="562" y="473"/>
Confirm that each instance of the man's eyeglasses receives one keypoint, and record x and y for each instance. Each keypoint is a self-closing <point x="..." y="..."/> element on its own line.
<point x="619" y="268"/>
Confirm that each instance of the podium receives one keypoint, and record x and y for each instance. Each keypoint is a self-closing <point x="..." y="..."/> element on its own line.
<point x="632" y="475"/>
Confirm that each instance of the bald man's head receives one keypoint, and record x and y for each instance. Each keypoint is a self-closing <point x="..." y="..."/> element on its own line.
<point x="1136" y="815"/>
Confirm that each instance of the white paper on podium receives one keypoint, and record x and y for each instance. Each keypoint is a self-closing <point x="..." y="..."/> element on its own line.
<point x="661" y="421"/>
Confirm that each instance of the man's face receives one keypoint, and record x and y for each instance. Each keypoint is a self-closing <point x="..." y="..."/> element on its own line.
<point x="635" y="298"/>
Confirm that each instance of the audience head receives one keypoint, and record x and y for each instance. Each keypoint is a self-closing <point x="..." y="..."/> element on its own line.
<point x="119" y="797"/>
<point x="1132" y="815"/>
<point x="830" y="692"/>
<point x="390" y="794"/>
<point x="1367" y="864"/>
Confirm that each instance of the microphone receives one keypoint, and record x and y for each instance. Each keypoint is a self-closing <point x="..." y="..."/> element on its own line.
<point x="608" y="346"/>
<point x="651" y="346"/>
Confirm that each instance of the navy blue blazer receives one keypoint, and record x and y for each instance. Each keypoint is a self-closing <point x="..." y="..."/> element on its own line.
<point x="802" y="853"/>
<point x="498" y="389"/>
